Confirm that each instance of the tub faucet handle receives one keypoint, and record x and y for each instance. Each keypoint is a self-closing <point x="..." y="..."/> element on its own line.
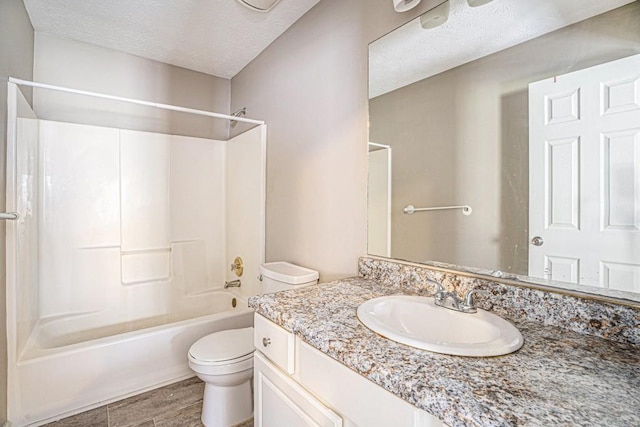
<point x="237" y="266"/>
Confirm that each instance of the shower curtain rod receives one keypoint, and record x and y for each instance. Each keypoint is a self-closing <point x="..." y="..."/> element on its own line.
<point x="135" y="101"/>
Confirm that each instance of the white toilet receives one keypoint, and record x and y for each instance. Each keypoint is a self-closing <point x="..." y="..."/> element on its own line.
<point x="224" y="360"/>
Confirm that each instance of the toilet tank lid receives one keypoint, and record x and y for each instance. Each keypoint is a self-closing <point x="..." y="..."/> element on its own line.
<point x="223" y="345"/>
<point x="288" y="273"/>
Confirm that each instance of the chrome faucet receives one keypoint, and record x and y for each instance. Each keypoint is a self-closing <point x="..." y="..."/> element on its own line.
<point x="450" y="300"/>
<point x="232" y="284"/>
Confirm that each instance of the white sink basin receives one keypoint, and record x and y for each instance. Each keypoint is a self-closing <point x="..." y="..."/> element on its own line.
<point x="418" y="322"/>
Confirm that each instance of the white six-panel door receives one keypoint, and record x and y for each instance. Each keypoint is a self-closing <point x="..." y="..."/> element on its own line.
<point x="584" y="176"/>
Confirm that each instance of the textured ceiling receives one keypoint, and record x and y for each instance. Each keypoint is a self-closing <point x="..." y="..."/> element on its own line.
<point x="217" y="37"/>
<point x="411" y="53"/>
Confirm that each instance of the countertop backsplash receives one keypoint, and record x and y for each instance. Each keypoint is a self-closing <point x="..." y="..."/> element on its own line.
<point x="614" y="322"/>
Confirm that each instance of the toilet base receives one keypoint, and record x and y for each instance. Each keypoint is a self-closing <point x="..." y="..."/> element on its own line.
<point x="226" y="406"/>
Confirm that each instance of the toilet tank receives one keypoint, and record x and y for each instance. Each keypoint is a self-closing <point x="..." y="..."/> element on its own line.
<point x="282" y="276"/>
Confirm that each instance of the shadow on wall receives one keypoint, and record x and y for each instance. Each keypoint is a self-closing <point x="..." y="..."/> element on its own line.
<point x="78" y="65"/>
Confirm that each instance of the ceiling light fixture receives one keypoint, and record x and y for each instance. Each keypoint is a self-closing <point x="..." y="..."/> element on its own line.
<point x="435" y="17"/>
<point x="404" y="5"/>
<point x="260" y="5"/>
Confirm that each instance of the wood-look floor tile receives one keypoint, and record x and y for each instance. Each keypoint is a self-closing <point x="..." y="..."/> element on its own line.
<point x="155" y="404"/>
<point x="93" y="418"/>
<point x="248" y="423"/>
<point x="186" y="417"/>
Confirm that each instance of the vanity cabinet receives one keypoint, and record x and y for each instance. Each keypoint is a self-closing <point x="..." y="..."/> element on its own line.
<point x="280" y="401"/>
<point x="295" y="385"/>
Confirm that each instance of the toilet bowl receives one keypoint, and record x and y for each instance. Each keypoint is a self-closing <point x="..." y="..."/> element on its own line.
<point x="224" y="361"/>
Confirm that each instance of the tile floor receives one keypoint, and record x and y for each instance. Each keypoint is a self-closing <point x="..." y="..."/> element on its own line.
<point x="176" y="405"/>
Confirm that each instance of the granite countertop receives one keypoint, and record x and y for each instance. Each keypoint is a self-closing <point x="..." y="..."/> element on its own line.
<point x="558" y="377"/>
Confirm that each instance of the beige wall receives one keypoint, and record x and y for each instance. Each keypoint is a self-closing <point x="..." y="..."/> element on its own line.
<point x="16" y="60"/>
<point x="77" y="65"/>
<point x="310" y="86"/>
<point x="461" y="137"/>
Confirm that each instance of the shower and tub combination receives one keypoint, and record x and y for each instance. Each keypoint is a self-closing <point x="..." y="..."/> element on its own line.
<point x="121" y="247"/>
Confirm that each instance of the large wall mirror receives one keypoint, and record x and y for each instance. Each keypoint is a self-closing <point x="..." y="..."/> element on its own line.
<point x="505" y="141"/>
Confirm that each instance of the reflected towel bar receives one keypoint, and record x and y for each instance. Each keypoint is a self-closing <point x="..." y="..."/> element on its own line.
<point x="9" y="215"/>
<point x="466" y="210"/>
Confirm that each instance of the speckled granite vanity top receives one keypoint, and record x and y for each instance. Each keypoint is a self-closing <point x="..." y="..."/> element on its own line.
<point x="558" y="377"/>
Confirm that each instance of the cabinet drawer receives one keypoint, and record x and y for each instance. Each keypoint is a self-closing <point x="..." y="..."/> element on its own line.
<point x="274" y="342"/>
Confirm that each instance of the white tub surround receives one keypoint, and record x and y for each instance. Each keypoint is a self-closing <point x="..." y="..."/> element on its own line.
<point x="117" y="262"/>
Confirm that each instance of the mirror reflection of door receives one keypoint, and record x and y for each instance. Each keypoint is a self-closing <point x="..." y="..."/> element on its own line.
<point x="584" y="149"/>
<point x="379" y="200"/>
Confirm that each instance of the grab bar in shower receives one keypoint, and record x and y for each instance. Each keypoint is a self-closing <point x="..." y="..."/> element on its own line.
<point x="12" y="216"/>
<point x="466" y="210"/>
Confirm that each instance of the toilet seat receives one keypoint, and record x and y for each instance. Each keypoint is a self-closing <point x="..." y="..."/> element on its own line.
<point x="225" y="368"/>
<point x="223" y="352"/>
<point x="223" y="347"/>
<point x="221" y="362"/>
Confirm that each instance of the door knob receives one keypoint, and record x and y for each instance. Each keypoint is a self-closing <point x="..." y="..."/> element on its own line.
<point x="537" y="241"/>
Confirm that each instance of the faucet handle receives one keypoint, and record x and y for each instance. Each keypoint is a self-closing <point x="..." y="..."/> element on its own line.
<point x="441" y="292"/>
<point x="439" y="287"/>
<point x="416" y="278"/>
<point x="468" y="299"/>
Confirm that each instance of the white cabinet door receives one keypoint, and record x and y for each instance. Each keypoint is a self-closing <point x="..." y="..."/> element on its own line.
<point x="584" y="169"/>
<point x="280" y="401"/>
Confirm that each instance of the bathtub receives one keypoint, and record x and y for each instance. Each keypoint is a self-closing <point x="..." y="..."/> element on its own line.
<point x="58" y="374"/>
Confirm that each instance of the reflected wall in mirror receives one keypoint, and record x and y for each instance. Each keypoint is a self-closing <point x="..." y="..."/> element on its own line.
<point x="529" y="113"/>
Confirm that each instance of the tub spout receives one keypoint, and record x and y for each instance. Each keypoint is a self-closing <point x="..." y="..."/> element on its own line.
<point x="232" y="284"/>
